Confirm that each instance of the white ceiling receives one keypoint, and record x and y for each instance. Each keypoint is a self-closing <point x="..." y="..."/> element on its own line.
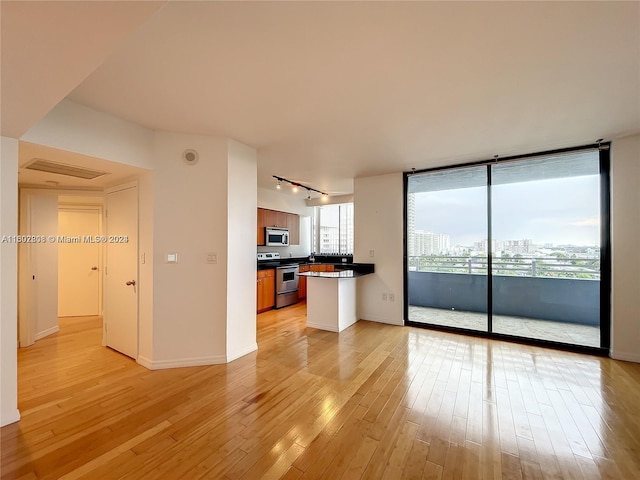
<point x="117" y="172"/>
<point x="50" y="47"/>
<point x="328" y="91"/>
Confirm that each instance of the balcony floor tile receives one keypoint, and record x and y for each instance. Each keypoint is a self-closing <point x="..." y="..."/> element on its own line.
<point x="571" y="333"/>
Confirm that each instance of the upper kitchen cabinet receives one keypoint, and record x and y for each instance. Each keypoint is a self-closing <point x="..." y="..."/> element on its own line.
<point x="293" y="225"/>
<point x="261" y="223"/>
<point x="273" y="218"/>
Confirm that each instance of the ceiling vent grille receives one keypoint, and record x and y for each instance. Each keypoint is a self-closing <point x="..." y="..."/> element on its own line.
<point x="61" y="169"/>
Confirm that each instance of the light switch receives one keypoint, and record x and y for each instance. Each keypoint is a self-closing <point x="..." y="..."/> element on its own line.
<point x="172" y="258"/>
<point x="371" y="253"/>
<point x="212" y="258"/>
<point x="142" y="259"/>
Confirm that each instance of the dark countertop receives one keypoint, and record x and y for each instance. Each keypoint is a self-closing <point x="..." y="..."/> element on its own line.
<point x="340" y="274"/>
<point x="265" y="264"/>
<point x="362" y="268"/>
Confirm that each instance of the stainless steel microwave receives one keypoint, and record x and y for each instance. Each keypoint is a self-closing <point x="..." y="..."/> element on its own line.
<point x="276" y="237"/>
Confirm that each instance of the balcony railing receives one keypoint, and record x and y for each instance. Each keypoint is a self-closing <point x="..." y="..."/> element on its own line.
<point x="520" y="266"/>
<point x="546" y="288"/>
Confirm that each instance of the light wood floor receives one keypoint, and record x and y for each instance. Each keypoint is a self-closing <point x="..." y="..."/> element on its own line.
<point x="374" y="401"/>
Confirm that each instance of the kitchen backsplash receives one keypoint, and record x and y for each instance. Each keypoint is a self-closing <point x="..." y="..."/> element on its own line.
<point x="296" y="251"/>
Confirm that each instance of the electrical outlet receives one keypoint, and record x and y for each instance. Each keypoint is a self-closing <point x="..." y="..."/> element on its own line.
<point x="384" y="297"/>
<point x="392" y="297"/>
<point x="371" y="253"/>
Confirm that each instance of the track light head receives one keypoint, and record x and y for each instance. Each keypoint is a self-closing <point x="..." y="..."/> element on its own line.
<point x="295" y="187"/>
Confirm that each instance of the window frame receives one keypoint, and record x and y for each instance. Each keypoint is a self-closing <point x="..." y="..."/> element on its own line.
<point x="605" y="250"/>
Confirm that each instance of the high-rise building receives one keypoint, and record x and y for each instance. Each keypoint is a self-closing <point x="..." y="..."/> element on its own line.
<point x="329" y="239"/>
<point x="429" y="243"/>
<point x="512" y="247"/>
<point x="411" y="223"/>
<point x="346" y="228"/>
<point x="519" y="246"/>
<point x="420" y="242"/>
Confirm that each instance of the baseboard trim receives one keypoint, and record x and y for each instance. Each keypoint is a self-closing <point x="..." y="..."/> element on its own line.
<point x="182" y="362"/>
<point x="625" y="356"/>
<point x="376" y="318"/>
<point x="12" y="418"/>
<point x="241" y="353"/>
<point x="47" y="332"/>
<point x="144" y="361"/>
<point x="321" y="326"/>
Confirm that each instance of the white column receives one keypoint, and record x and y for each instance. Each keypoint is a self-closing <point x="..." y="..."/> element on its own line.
<point x="8" y="282"/>
<point x="625" y="231"/>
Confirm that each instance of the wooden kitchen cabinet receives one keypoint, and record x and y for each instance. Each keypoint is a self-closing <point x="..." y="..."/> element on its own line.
<point x="274" y="218"/>
<point x="261" y="224"/>
<point x="302" y="283"/>
<point x="266" y="289"/>
<point x="321" y="267"/>
<point x="293" y="225"/>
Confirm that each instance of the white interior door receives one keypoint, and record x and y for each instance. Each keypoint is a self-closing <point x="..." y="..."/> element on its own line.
<point x="38" y="289"/>
<point x="79" y="263"/>
<point x="121" y="275"/>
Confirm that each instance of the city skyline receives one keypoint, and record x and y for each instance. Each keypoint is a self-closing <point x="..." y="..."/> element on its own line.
<point x="561" y="211"/>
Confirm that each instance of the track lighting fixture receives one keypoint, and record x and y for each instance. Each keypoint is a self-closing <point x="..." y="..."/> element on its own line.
<point x="295" y="186"/>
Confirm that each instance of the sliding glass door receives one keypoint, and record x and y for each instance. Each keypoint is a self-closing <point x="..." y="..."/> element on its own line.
<point x="546" y="260"/>
<point x="512" y="248"/>
<point x="447" y="258"/>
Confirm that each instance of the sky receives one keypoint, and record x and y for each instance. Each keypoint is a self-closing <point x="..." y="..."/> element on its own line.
<point x="558" y="211"/>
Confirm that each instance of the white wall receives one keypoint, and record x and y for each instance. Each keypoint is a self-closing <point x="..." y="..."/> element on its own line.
<point x="378" y="226"/>
<point x="8" y="282"/>
<point x="183" y="209"/>
<point x="273" y="199"/>
<point x="241" y="253"/>
<point x="190" y="219"/>
<point x="284" y="202"/>
<point x="625" y="232"/>
<point x="76" y="128"/>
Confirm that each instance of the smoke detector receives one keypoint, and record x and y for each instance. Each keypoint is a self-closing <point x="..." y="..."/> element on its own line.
<point x="190" y="156"/>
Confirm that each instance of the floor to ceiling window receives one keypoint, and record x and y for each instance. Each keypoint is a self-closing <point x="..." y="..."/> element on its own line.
<point x="332" y="229"/>
<point x="515" y="248"/>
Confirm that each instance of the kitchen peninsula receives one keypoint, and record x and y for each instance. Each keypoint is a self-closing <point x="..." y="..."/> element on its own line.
<point x="331" y="298"/>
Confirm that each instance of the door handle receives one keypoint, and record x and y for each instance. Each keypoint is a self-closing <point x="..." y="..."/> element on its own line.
<point x="94" y="268"/>
<point x="132" y="282"/>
